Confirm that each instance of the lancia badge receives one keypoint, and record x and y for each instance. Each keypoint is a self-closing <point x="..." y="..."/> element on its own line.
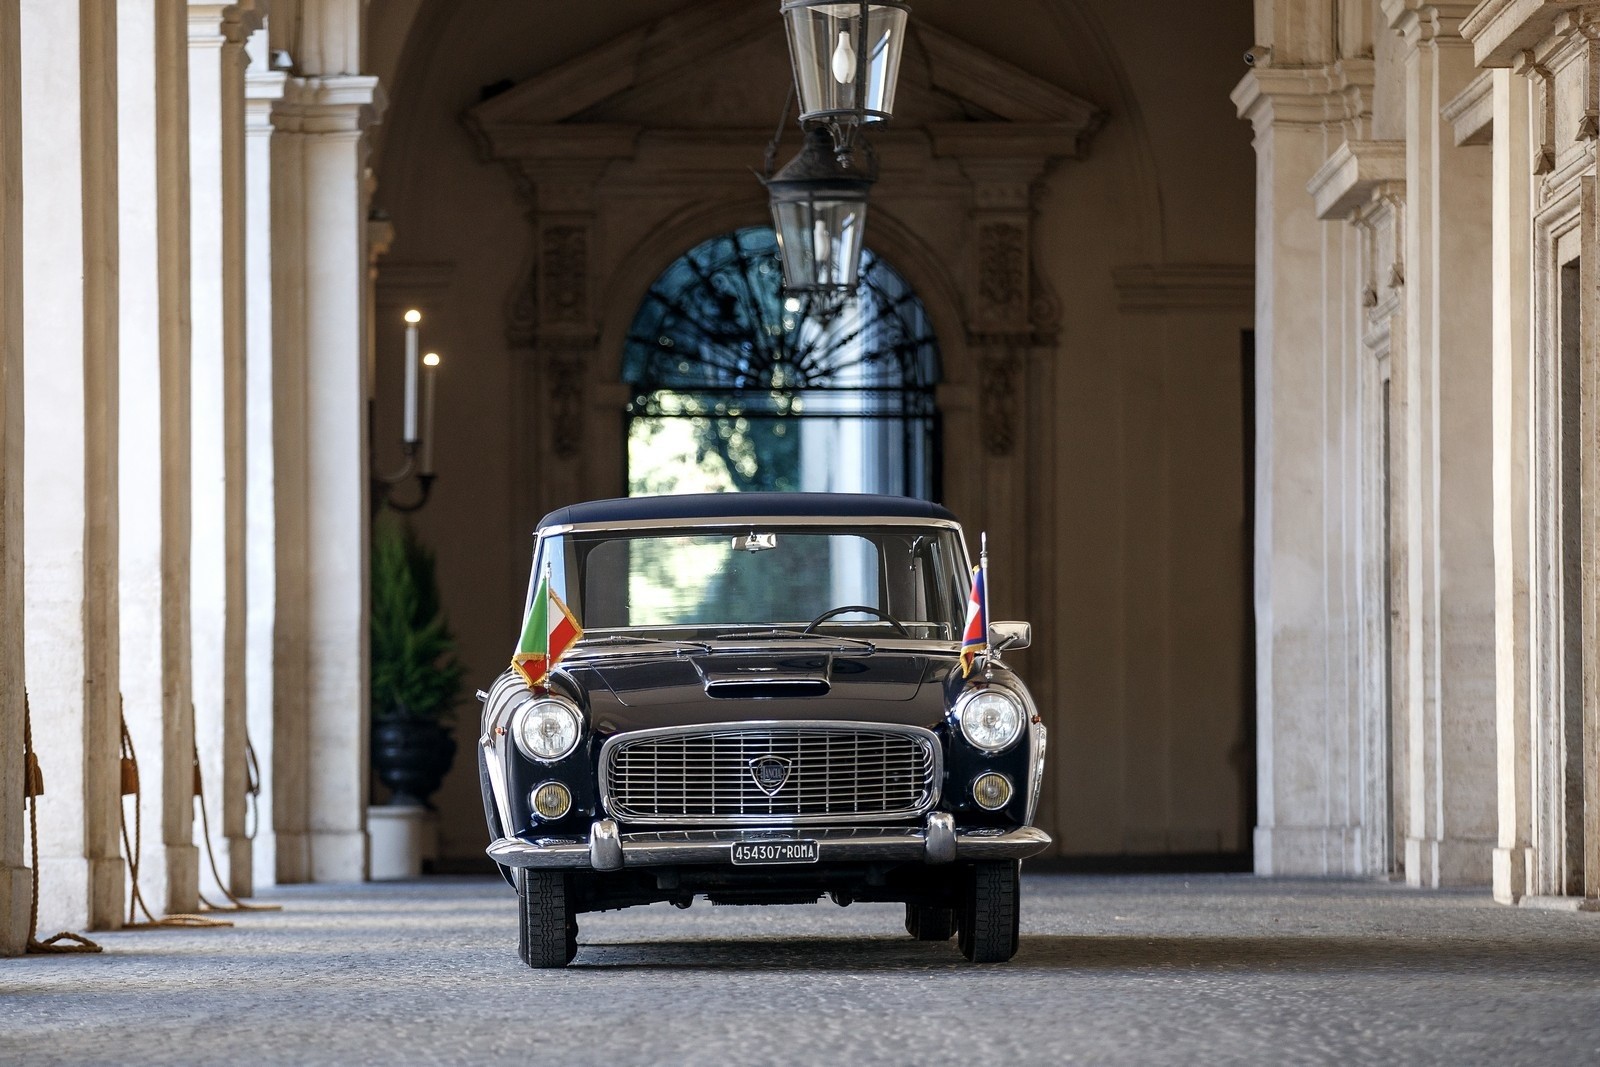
<point x="770" y="772"/>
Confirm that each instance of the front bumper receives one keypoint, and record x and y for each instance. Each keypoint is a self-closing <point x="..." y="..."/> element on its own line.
<point x="606" y="849"/>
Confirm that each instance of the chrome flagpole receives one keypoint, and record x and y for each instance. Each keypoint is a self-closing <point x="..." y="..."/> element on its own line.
<point x="983" y="568"/>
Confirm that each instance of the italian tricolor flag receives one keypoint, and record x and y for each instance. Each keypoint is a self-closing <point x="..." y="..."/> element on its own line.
<point x="546" y="635"/>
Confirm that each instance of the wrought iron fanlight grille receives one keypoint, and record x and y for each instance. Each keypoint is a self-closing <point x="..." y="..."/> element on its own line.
<point x="792" y="391"/>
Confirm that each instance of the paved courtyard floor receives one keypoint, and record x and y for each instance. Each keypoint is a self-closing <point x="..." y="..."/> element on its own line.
<point x="1146" y="970"/>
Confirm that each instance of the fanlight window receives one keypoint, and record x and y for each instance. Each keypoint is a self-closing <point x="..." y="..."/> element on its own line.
<point x="738" y="386"/>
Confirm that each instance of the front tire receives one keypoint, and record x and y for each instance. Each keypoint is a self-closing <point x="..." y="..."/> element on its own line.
<point x="926" y="922"/>
<point x="991" y="906"/>
<point x="547" y="928"/>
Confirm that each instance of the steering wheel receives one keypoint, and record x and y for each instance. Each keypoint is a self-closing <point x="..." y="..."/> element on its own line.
<point x="831" y="612"/>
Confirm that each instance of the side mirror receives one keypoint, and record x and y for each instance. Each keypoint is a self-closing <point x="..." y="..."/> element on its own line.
<point x="1005" y="636"/>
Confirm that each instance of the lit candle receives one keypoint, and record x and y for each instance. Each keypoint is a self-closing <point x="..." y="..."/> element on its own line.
<point x="430" y="372"/>
<point x="412" y="318"/>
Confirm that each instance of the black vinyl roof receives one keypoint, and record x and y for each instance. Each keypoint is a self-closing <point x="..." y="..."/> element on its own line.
<point x="745" y="505"/>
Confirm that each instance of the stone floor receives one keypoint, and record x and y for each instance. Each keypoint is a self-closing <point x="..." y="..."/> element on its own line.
<point x="1146" y="970"/>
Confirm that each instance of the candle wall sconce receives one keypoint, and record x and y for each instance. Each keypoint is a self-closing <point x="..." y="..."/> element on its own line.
<point x="416" y="437"/>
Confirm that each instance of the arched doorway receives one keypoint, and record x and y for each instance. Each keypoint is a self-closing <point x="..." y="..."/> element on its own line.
<point x="736" y="386"/>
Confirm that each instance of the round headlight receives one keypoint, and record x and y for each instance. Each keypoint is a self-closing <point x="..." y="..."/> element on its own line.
<point x="546" y="729"/>
<point x="552" y="800"/>
<point x="992" y="791"/>
<point x="990" y="718"/>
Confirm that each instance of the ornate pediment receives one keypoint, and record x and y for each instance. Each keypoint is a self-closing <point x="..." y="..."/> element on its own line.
<point x="715" y="68"/>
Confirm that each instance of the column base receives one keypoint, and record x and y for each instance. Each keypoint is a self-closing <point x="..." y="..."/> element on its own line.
<point x="240" y="853"/>
<point x="1309" y="851"/>
<point x="1454" y="861"/>
<point x="338" y="855"/>
<point x="1513" y="868"/>
<point x="16" y="897"/>
<point x="292" y="857"/>
<point x="182" y="896"/>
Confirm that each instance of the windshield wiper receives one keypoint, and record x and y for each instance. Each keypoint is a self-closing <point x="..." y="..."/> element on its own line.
<point x="811" y="636"/>
<point x="639" y="639"/>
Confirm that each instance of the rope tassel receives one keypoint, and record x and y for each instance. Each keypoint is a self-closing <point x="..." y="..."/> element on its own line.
<point x="35" y="788"/>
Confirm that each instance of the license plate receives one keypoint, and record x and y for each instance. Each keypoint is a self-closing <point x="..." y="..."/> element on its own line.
<point x="757" y="852"/>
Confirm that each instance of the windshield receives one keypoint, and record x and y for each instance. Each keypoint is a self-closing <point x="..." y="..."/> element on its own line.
<point x="705" y="582"/>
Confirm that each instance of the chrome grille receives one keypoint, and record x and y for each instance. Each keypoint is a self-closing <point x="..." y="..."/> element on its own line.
<point x="836" y="772"/>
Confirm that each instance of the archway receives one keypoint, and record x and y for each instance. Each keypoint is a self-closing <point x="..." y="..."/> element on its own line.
<point x="735" y="385"/>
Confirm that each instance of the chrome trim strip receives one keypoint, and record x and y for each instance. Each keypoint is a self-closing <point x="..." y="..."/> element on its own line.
<point x="935" y="778"/>
<point x="605" y="846"/>
<point x="714" y="847"/>
<point x="746" y="521"/>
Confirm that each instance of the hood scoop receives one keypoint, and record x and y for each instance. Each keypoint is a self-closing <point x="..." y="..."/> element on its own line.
<point x="768" y="680"/>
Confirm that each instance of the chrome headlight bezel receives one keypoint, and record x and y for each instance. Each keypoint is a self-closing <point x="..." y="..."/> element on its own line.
<point x="966" y="717"/>
<point x="543" y="709"/>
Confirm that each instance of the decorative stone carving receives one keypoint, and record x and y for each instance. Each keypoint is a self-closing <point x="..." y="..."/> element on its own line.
<point x="1002" y="272"/>
<point x="566" y="402"/>
<point x="564" y="251"/>
<point x="998" y="400"/>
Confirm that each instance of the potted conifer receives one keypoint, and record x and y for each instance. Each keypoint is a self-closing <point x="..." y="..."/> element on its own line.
<point x="416" y="679"/>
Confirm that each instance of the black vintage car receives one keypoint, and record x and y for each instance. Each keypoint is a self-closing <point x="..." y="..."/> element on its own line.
<point x="767" y="706"/>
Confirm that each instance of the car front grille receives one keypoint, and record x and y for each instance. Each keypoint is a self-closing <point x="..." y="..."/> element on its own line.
<point x="747" y="774"/>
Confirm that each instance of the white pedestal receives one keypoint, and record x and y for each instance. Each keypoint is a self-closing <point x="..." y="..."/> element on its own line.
<point x="402" y="836"/>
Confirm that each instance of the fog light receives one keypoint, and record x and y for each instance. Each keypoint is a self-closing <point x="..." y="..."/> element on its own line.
<point x="553" y="800"/>
<point x="991" y="791"/>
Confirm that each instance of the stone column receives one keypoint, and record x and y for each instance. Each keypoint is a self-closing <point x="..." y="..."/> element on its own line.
<point x="217" y="33"/>
<point x="1513" y="270"/>
<point x="1308" y="770"/>
<point x="1449" y="579"/>
<point x="262" y="87"/>
<point x="153" y="136"/>
<point x="16" y="879"/>
<point x="69" y="263"/>
<point x="319" y="223"/>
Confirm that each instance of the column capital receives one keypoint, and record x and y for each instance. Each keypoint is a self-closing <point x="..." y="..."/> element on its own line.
<point x="1420" y="22"/>
<point x="1336" y="95"/>
<point x="217" y="24"/>
<point x="344" y="103"/>
<point x="1500" y="30"/>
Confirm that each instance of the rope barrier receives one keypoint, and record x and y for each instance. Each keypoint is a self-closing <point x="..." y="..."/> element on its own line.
<point x="235" y="904"/>
<point x="33" y="788"/>
<point x="135" y="847"/>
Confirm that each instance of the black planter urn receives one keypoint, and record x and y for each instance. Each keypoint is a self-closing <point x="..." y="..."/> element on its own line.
<point x="411" y="756"/>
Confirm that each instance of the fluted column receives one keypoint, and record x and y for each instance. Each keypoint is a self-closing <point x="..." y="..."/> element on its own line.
<point x="153" y="133"/>
<point x="69" y="267"/>
<point x="319" y="224"/>
<point x="217" y="33"/>
<point x="16" y="879"/>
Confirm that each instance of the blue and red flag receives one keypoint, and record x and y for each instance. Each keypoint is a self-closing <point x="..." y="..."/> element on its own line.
<point x="975" y="635"/>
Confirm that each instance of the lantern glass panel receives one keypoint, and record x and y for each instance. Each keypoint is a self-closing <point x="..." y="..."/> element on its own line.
<point x="819" y="240"/>
<point x="825" y="41"/>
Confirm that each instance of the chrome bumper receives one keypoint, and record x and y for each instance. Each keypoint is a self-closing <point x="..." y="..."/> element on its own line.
<point x="607" y="850"/>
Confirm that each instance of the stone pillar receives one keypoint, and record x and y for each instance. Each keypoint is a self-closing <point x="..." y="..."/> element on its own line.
<point x="1513" y="270"/>
<point x="153" y="134"/>
<point x="217" y="556"/>
<point x="319" y="224"/>
<point x="1449" y="578"/>
<point x="262" y="87"/>
<point x="69" y="171"/>
<point x="16" y="879"/>
<point x="1308" y="770"/>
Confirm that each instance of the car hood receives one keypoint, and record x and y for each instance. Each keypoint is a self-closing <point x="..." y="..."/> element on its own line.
<point x="635" y="692"/>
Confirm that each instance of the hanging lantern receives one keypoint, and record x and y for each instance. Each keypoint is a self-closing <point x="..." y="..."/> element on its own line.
<point x="846" y="60"/>
<point x="819" y="208"/>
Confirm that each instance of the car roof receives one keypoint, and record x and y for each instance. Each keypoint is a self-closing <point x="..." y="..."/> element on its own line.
<point x="745" y="505"/>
